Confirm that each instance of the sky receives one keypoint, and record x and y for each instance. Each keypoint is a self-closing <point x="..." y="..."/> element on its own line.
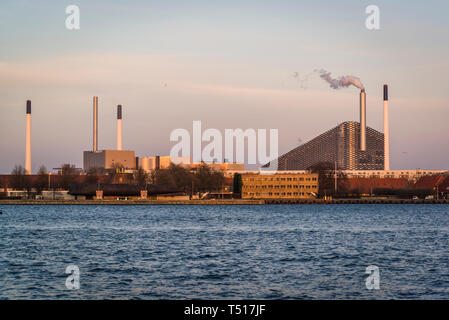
<point x="230" y="64"/>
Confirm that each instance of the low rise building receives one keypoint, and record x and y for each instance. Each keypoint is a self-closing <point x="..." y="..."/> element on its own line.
<point x="368" y="186"/>
<point x="160" y="162"/>
<point x="279" y="186"/>
<point x="410" y="175"/>
<point x="438" y="183"/>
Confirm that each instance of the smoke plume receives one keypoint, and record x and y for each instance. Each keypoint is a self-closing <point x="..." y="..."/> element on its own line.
<point x="341" y="82"/>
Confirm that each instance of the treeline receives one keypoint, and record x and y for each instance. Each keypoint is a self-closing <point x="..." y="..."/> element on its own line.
<point x="204" y="179"/>
<point x="41" y="181"/>
<point x="326" y="180"/>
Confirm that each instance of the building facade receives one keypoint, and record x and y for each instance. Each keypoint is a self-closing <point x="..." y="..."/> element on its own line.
<point x="340" y="146"/>
<point x="279" y="186"/>
<point x="107" y="159"/>
<point x="163" y="162"/>
<point x="160" y="162"/>
<point x="410" y="175"/>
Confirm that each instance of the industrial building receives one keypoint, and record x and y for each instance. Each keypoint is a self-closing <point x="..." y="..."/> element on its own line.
<point x="163" y="162"/>
<point x="350" y="146"/>
<point x="108" y="159"/>
<point x="160" y="162"/>
<point x="275" y="186"/>
<point x="339" y="145"/>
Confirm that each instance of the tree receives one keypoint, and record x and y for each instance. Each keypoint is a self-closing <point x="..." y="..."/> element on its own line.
<point x="204" y="179"/>
<point x="18" y="177"/>
<point x="174" y="176"/>
<point x="141" y="177"/>
<point x="92" y="175"/>
<point x="209" y="179"/>
<point x="42" y="180"/>
<point x="68" y="173"/>
<point x="117" y="173"/>
<point x="326" y="182"/>
<point x="237" y="183"/>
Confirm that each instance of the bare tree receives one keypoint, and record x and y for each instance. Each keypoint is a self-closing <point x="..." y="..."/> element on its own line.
<point x="42" y="180"/>
<point x="18" y="177"/>
<point x="325" y="177"/>
<point x="68" y="173"/>
<point x="204" y="179"/>
<point x="141" y="177"/>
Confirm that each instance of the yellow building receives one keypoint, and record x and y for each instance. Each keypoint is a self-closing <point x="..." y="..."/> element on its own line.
<point x="161" y="162"/>
<point x="279" y="186"/>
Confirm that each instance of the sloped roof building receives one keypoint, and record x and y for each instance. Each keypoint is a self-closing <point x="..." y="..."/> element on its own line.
<point x="341" y="145"/>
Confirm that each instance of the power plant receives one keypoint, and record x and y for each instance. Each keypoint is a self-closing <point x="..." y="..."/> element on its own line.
<point x="350" y="146"/>
<point x="108" y="159"/>
<point x="358" y="150"/>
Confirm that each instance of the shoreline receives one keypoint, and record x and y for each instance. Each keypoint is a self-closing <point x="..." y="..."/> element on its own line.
<point x="221" y="202"/>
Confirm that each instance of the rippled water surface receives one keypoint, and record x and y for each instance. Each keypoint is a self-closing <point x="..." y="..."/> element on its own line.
<point x="219" y="252"/>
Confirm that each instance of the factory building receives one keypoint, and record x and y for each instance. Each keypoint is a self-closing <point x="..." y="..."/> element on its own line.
<point x="108" y="159"/>
<point x="160" y="162"/>
<point x="275" y="186"/>
<point x="349" y="146"/>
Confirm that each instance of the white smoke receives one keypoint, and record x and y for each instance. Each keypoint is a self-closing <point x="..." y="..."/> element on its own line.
<point x="341" y="82"/>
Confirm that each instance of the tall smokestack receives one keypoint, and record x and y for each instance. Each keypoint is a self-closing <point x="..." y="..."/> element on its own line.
<point x="28" y="139"/>
<point x="119" y="127"/>
<point x="95" y="142"/>
<point x="386" y="131"/>
<point x="363" y="120"/>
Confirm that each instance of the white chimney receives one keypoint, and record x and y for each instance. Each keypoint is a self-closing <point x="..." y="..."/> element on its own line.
<point x="119" y="127"/>
<point x="28" y="139"/>
<point x="363" y="120"/>
<point x="95" y="142"/>
<point x="386" y="131"/>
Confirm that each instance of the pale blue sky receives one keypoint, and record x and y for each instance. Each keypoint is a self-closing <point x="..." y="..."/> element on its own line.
<point x="229" y="64"/>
